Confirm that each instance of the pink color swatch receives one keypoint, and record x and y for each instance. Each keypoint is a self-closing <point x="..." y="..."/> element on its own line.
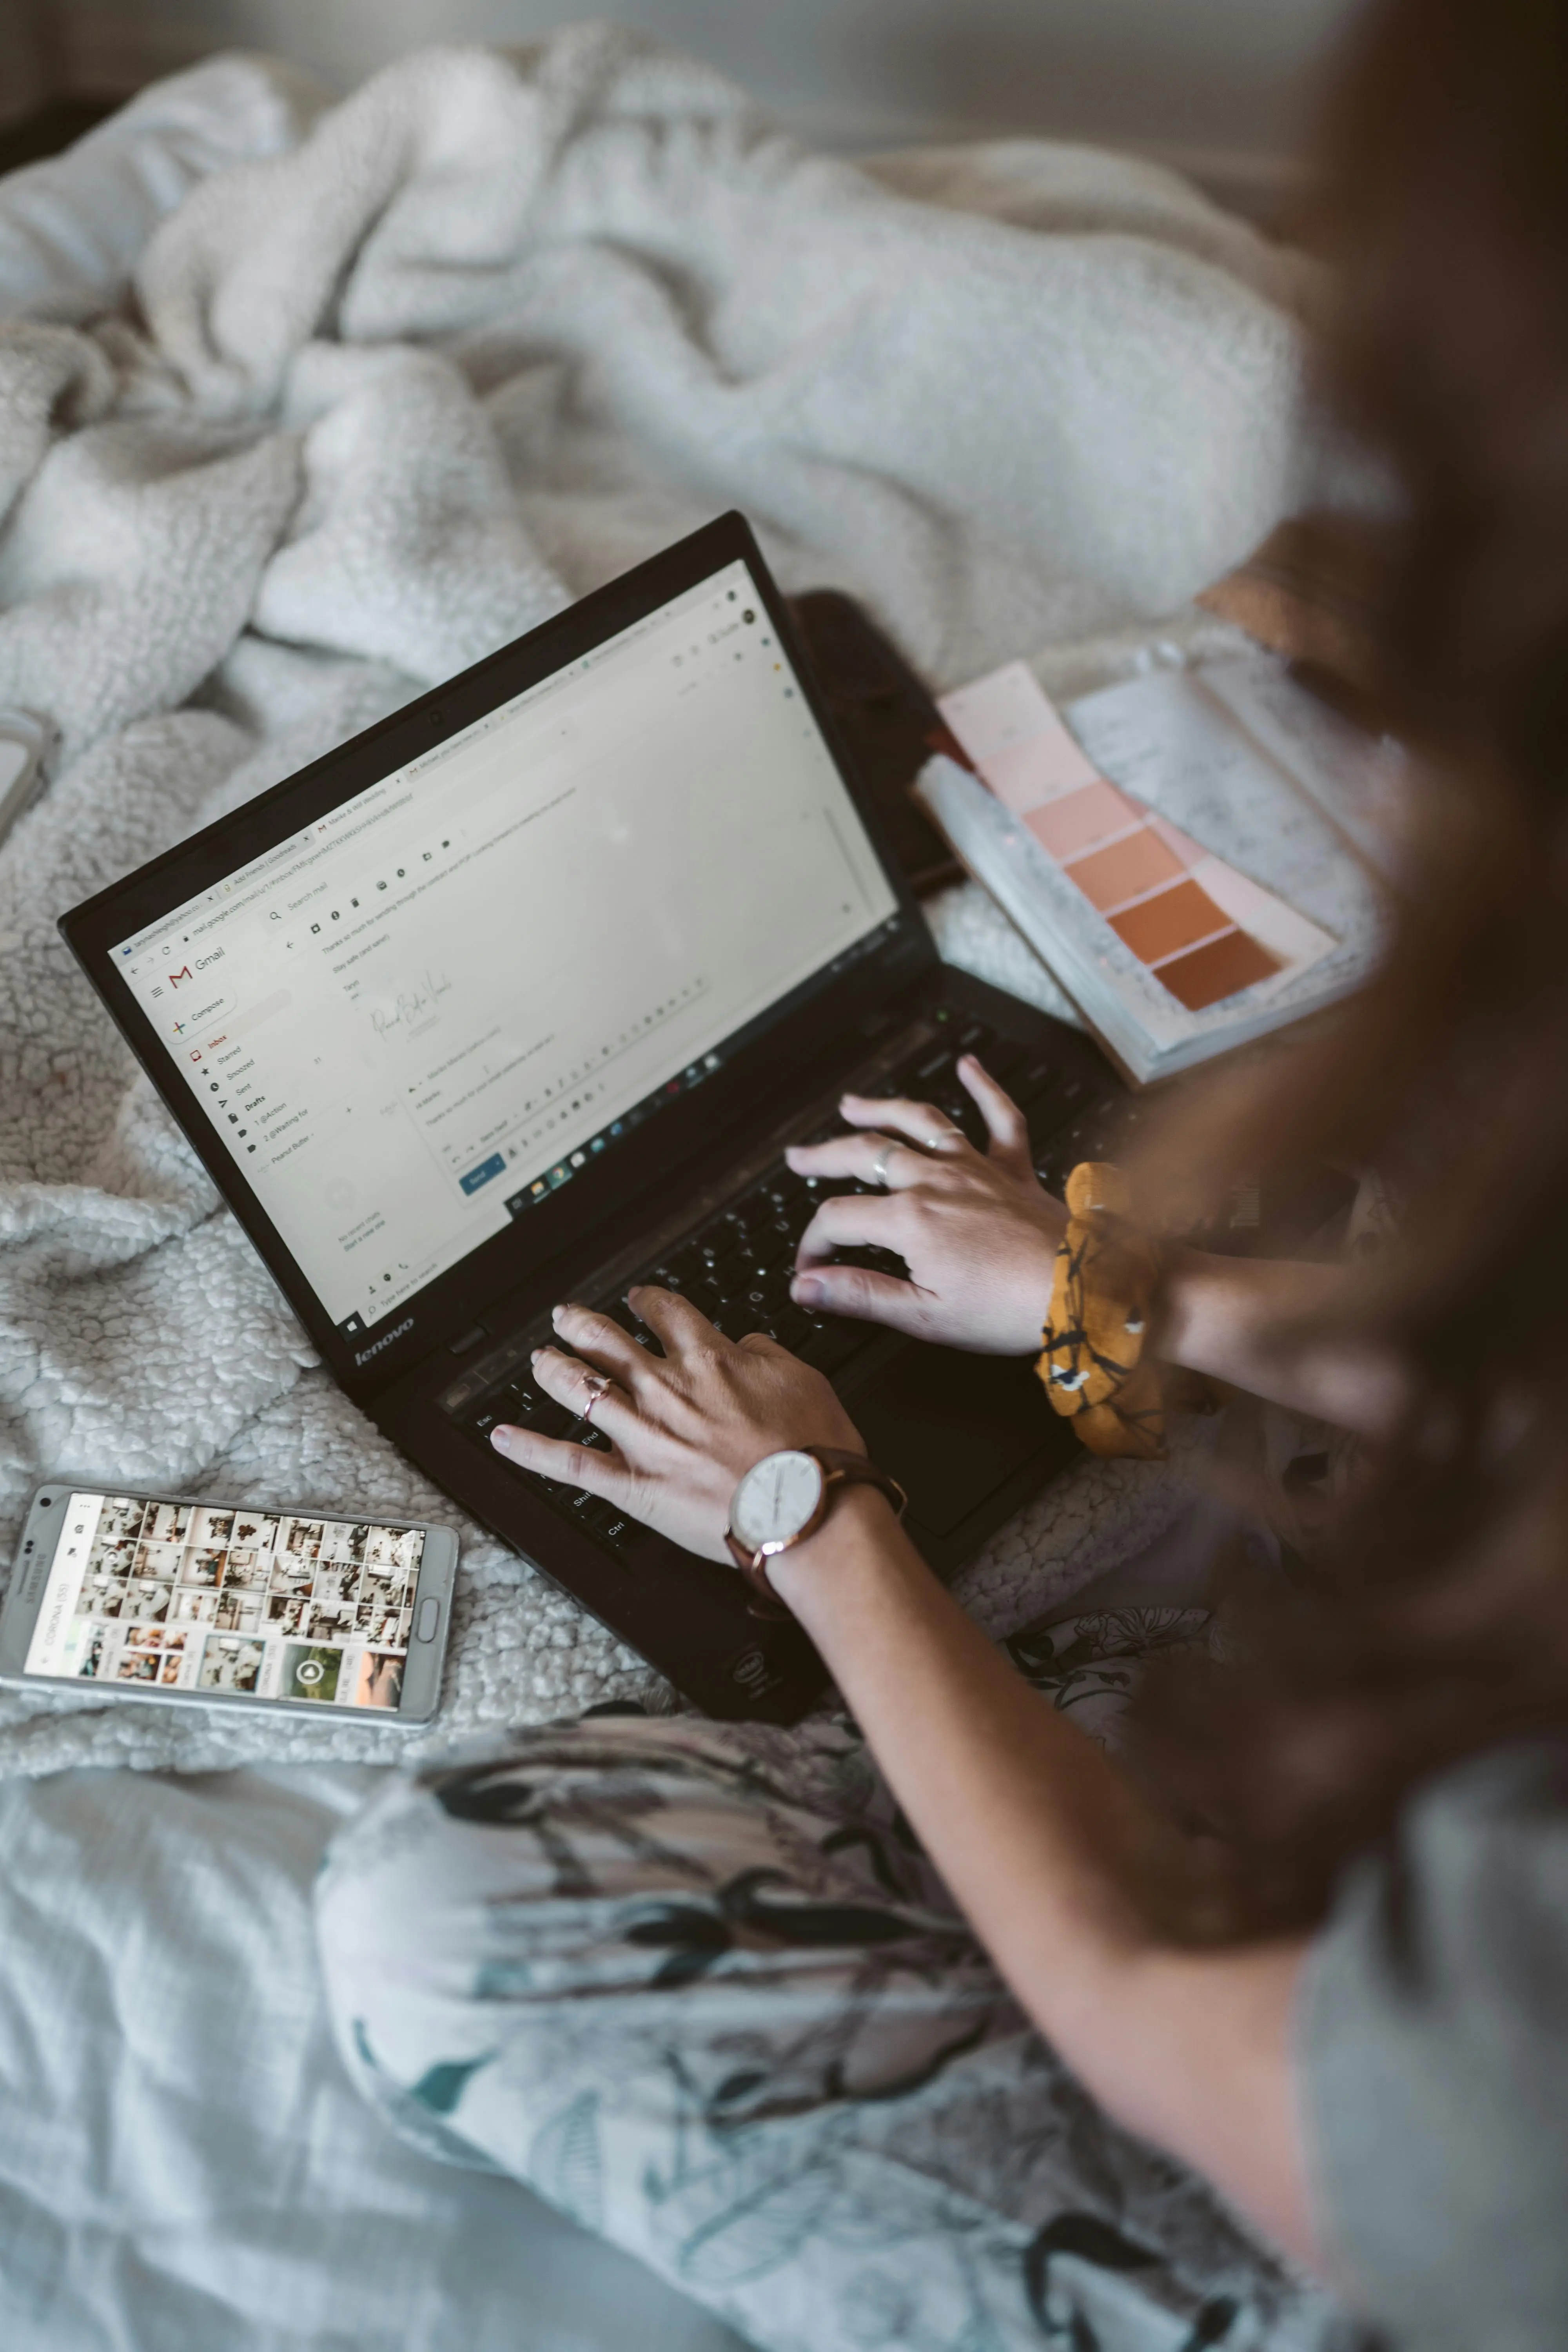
<point x="1132" y="865"/>
<point x="1082" y="820"/>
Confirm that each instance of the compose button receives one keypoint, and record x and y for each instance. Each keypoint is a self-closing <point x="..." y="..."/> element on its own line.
<point x="483" y="1173"/>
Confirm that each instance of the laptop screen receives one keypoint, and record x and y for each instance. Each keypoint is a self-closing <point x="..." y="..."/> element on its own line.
<point x="422" y="1014"/>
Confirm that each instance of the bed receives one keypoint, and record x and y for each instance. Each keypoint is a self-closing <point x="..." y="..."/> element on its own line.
<point x="302" y="407"/>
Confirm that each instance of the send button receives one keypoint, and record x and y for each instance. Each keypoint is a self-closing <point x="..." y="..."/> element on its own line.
<point x="483" y="1173"/>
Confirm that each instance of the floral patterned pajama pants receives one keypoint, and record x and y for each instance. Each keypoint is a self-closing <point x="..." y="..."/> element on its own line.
<point x="696" y="1985"/>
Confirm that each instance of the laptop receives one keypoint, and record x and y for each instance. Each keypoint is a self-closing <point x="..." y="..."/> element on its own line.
<point x="518" y="996"/>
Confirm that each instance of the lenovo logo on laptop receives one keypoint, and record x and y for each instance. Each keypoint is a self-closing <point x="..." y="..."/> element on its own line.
<point x="364" y="1355"/>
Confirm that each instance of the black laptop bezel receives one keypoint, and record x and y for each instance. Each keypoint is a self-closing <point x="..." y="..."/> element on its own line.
<point x="823" y="1010"/>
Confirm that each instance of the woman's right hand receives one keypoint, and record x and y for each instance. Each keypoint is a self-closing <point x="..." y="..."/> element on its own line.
<point x="977" y="1231"/>
<point x="683" y="1427"/>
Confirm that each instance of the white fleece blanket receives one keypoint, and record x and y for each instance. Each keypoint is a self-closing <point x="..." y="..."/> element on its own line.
<point x="304" y="407"/>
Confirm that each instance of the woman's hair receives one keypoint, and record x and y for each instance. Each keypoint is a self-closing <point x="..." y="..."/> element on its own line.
<point x="1434" y="1620"/>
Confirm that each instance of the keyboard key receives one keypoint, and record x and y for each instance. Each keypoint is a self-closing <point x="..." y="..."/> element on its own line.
<point x="1005" y="1060"/>
<point x="598" y="1516"/>
<point x="532" y="1409"/>
<point x="771" y="1254"/>
<point x="871" y="1259"/>
<point x="617" y="1311"/>
<point x="1037" y="1081"/>
<point x="550" y="1488"/>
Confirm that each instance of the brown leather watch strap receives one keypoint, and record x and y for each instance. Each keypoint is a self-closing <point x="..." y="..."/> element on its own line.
<point x="840" y="1469"/>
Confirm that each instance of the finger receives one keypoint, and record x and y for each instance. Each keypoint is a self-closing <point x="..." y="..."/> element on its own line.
<point x="1005" y="1122"/>
<point x="673" y="1321"/>
<point x="602" y="1342"/>
<point x="855" y="1221"/>
<point x="869" y="1297"/>
<point x="871" y="1159"/>
<point x="921" y="1124"/>
<point x="581" y="1388"/>
<point x="556" y="1457"/>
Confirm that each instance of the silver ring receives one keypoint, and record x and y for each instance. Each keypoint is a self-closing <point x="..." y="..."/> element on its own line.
<point x="879" y="1165"/>
<point x="599" y="1389"/>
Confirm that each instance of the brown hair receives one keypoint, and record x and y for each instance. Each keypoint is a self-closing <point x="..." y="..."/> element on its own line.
<point x="1434" y="1622"/>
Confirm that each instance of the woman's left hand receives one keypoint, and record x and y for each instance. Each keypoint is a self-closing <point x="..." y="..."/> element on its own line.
<point x="684" y="1427"/>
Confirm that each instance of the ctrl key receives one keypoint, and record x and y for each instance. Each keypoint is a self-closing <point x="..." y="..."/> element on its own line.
<point x="606" y="1521"/>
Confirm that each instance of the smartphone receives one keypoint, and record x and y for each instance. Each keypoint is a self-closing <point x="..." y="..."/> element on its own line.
<point x="219" y="1604"/>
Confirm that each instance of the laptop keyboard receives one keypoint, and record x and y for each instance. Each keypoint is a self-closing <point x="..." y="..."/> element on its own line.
<point x="738" y="1263"/>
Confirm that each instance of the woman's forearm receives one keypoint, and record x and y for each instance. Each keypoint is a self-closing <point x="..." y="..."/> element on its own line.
<point x="1232" y="1319"/>
<point x="1048" y="1848"/>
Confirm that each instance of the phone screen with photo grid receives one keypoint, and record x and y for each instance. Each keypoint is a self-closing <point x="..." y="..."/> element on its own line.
<point x="190" y="1597"/>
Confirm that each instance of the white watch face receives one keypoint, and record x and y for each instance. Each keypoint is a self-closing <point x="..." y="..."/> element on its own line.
<point x="776" y="1499"/>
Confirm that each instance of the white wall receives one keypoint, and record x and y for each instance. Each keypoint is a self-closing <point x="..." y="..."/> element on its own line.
<point x="1221" y="83"/>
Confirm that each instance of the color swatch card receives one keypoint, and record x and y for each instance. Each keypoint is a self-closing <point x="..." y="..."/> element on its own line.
<point x="1184" y="891"/>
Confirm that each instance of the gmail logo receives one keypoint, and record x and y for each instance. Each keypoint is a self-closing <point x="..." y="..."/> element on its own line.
<point x="183" y="973"/>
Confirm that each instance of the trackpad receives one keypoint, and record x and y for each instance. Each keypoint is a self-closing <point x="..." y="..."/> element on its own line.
<point x="950" y="1427"/>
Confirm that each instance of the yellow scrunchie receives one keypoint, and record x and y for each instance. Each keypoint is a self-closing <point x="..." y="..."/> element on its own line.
<point x="1092" y="1362"/>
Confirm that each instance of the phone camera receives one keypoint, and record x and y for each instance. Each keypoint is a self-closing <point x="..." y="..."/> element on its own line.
<point x="46" y="1502"/>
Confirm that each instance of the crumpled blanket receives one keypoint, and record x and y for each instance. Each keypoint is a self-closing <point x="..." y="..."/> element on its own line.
<point x="298" y="433"/>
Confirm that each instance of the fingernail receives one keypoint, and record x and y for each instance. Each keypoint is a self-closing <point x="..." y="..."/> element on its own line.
<point x="534" y="1354"/>
<point x="806" y="1290"/>
<point x="501" y="1438"/>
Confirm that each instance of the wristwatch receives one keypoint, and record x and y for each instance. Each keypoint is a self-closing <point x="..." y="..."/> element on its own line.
<point x="784" y="1498"/>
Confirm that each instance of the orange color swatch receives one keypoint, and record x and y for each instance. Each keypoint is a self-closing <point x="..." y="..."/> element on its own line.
<point x="1170" y="922"/>
<point x="1126" y="869"/>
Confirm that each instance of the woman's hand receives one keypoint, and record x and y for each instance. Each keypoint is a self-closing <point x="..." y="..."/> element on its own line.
<point x="977" y="1232"/>
<point x="683" y="1428"/>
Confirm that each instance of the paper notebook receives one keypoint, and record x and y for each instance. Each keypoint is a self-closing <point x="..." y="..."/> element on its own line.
<point x="1183" y="885"/>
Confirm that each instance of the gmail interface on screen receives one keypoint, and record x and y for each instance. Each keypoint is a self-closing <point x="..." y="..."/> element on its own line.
<point x="422" y="1013"/>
